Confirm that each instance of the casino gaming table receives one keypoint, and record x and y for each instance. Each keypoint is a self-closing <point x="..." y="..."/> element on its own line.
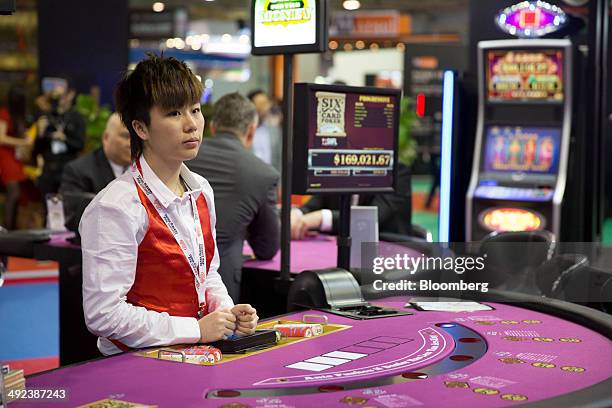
<point x="539" y="352"/>
<point x="312" y="253"/>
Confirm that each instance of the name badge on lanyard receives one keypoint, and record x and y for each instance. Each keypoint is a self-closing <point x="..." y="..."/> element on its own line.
<point x="197" y="262"/>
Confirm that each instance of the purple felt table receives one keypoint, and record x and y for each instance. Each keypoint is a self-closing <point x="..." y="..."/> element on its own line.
<point x="316" y="252"/>
<point x="529" y="356"/>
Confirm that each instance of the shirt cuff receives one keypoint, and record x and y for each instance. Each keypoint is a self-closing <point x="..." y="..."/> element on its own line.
<point x="185" y="329"/>
<point x="326" y="220"/>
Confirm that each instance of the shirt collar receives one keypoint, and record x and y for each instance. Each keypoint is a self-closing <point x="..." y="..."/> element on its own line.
<point x="161" y="191"/>
<point x="116" y="168"/>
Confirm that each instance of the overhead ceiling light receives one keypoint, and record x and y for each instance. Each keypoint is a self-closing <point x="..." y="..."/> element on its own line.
<point x="158" y="7"/>
<point x="351" y="4"/>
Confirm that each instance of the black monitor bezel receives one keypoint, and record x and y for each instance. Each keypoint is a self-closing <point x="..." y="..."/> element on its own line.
<point x="300" y="137"/>
<point x="320" y="44"/>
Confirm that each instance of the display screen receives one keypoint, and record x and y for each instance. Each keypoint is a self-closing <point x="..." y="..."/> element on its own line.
<point x="529" y="150"/>
<point x="524" y="76"/>
<point x="278" y="23"/>
<point x="511" y="219"/>
<point x="351" y="139"/>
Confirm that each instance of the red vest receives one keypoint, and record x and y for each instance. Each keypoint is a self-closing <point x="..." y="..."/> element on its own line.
<point x="164" y="279"/>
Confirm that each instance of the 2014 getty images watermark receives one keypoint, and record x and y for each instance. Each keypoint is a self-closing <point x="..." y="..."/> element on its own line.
<point x="414" y="264"/>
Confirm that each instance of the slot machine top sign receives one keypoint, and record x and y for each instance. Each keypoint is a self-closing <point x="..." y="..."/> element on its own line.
<point x="531" y="19"/>
<point x="523" y="75"/>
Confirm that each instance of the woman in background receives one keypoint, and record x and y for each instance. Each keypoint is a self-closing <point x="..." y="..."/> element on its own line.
<point x="13" y="126"/>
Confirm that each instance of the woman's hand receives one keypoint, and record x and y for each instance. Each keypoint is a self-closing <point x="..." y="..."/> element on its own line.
<point x="246" y="319"/>
<point x="216" y="326"/>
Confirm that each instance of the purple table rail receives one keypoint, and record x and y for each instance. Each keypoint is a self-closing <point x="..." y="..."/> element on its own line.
<point x="504" y="357"/>
<point x="316" y="252"/>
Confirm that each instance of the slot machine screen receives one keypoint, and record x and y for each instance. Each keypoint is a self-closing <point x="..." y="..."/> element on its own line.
<point x="524" y="150"/>
<point x="345" y="139"/>
<point x="524" y="76"/>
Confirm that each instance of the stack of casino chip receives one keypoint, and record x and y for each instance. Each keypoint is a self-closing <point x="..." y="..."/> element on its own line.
<point x="13" y="380"/>
<point x="203" y="353"/>
<point x="299" y="329"/>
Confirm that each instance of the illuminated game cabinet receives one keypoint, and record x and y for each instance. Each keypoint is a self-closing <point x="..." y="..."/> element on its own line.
<point x="520" y="163"/>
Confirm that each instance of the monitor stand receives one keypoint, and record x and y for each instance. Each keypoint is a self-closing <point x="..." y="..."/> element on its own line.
<point x="344" y="233"/>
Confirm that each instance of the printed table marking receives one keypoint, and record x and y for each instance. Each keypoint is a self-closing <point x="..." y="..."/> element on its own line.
<point x="410" y="359"/>
<point x="309" y="366"/>
<point x="327" y="360"/>
<point x="344" y="354"/>
<point x="536" y="357"/>
<point x="522" y="333"/>
<point x="375" y="344"/>
<point x="361" y="350"/>
<point x="393" y="340"/>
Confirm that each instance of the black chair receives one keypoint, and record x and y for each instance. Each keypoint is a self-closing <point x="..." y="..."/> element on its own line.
<point x="606" y="296"/>
<point x="412" y="244"/>
<point x="512" y="258"/>
<point x="570" y="277"/>
<point x="552" y="276"/>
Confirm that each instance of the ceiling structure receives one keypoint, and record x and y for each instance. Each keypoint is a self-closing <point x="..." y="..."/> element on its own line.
<point x="239" y="9"/>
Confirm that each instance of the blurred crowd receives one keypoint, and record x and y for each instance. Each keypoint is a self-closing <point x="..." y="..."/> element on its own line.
<point x="39" y="138"/>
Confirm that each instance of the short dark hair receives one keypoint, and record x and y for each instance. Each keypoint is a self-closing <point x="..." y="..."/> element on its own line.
<point x="251" y="95"/>
<point x="234" y="113"/>
<point x="156" y="81"/>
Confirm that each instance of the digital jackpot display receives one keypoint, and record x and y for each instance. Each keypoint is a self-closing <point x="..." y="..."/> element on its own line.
<point x="284" y="26"/>
<point x="350" y="140"/>
<point x="528" y="150"/>
<point x="524" y="76"/>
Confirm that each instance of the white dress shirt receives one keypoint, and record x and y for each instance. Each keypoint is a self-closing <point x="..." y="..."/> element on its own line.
<point x="262" y="143"/>
<point x="118" y="169"/>
<point x="327" y="218"/>
<point x="112" y="227"/>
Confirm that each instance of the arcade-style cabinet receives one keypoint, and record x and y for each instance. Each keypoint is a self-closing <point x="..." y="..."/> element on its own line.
<point x="520" y="165"/>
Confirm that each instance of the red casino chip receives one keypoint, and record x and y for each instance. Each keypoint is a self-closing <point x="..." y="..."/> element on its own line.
<point x="212" y="354"/>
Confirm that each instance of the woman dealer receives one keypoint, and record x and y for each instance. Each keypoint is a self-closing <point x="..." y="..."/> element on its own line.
<point x="149" y="254"/>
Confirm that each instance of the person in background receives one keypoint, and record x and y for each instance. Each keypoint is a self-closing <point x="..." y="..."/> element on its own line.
<point x="245" y="188"/>
<point x="321" y="213"/>
<point x="267" y="140"/>
<point x="86" y="176"/>
<point x="60" y="135"/>
<point x="150" y="258"/>
<point x="13" y="126"/>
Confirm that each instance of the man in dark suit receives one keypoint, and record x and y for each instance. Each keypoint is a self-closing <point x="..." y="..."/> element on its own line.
<point x="245" y="188"/>
<point x="321" y="213"/>
<point x="86" y="176"/>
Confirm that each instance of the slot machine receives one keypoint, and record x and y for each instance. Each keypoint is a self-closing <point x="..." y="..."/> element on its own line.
<point x="520" y="168"/>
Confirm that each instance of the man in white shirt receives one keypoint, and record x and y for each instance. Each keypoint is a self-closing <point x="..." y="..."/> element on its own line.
<point x="150" y="257"/>
<point x="266" y="143"/>
<point x="86" y="176"/>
